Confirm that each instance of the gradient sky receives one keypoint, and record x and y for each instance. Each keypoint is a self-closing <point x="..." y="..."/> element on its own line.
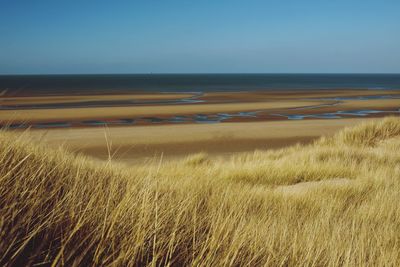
<point x="219" y="36"/>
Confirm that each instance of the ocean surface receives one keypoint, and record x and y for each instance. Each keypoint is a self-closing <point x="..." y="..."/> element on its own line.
<point x="86" y="84"/>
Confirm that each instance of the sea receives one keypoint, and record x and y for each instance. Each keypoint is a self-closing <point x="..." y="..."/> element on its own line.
<point x="126" y="83"/>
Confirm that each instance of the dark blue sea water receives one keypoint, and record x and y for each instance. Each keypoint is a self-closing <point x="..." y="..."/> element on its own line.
<point x="86" y="84"/>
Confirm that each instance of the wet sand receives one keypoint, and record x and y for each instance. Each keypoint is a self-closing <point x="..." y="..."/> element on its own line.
<point x="149" y="130"/>
<point x="266" y="103"/>
<point x="292" y="94"/>
<point x="106" y="113"/>
<point x="21" y="100"/>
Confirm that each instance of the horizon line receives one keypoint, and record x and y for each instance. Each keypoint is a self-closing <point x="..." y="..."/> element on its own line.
<point x="201" y="73"/>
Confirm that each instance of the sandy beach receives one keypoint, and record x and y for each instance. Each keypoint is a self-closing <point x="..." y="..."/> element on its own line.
<point x="202" y="133"/>
<point x="137" y="144"/>
<point x="91" y="123"/>
<point x="21" y="100"/>
<point x="29" y="109"/>
<point x="73" y="114"/>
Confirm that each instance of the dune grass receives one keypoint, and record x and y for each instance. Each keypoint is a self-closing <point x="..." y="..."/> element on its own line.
<point x="62" y="209"/>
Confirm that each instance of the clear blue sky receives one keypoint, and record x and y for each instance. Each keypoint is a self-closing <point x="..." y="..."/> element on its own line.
<point x="218" y="36"/>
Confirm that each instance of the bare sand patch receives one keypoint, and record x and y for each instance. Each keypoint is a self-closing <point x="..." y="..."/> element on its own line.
<point x="135" y="144"/>
<point x="305" y="187"/>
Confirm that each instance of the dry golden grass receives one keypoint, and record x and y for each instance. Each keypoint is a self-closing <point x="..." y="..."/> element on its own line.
<point x="61" y="209"/>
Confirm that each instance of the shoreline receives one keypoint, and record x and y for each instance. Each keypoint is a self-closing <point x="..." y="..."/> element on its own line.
<point x="159" y="109"/>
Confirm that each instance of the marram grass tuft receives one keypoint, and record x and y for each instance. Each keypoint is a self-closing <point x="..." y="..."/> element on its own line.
<point x="332" y="203"/>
